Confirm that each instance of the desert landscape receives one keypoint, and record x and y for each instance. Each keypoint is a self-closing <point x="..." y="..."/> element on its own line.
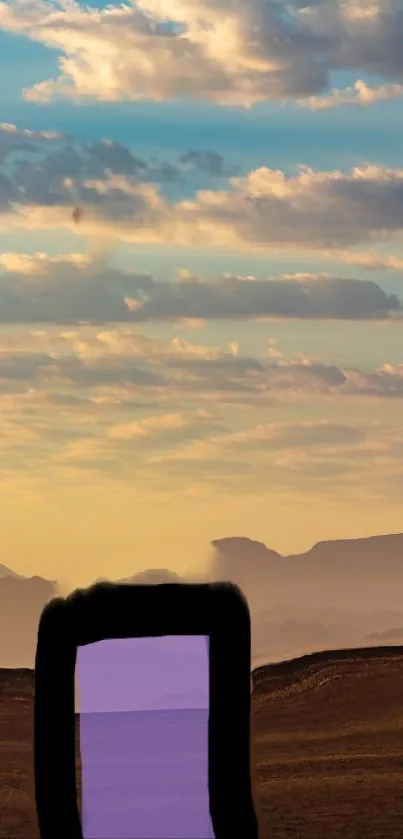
<point x="328" y="747"/>
<point x="201" y="376"/>
<point x="328" y="726"/>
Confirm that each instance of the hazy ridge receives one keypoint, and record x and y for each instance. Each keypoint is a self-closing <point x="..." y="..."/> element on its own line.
<point x="340" y="593"/>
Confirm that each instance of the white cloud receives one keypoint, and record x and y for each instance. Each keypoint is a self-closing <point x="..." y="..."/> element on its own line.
<point x="12" y="131"/>
<point x="132" y="344"/>
<point x="162" y="424"/>
<point x="211" y="51"/>
<point x="227" y="52"/>
<point x="360" y="94"/>
<point x="40" y="263"/>
<point x="367" y="260"/>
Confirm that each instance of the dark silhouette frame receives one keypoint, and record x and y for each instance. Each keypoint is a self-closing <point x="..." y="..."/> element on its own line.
<point x="112" y="610"/>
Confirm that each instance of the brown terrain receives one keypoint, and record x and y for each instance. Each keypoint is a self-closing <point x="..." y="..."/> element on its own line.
<point x="328" y="747"/>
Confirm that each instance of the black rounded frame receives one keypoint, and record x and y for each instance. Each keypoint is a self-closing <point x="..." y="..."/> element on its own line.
<point x="112" y="610"/>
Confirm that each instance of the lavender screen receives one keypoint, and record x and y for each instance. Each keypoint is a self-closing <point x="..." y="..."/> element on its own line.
<point x="143" y="708"/>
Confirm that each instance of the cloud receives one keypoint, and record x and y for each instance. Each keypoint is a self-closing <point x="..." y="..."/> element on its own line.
<point x="323" y="210"/>
<point x="114" y="449"/>
<point x="295" y="296"/>
<point x="209" y="162"/>
<point x="265" y="209"/>
<point x="274" y="437"/>
<point x="76" y="289"/>
<point x="59" y="171"/>
<point x="127" y="343"/>
<point x="360" y="94"/>
<point x="124" y="197"/>
<point x="225" y="52"/>
<point x="88" y="175"/>
<point x="40" y="263"/>
<point x="48" y="169"/>
<point x="367" y="260"/>
<point x="108" y="154"/>
<point x="190" y="324"/>
<point x="14" y="139"/>
<point x="83" y="372"/>
<point x="362" y="461"/>
<point x="10" y="130"/>
<point x="105" y="407"/>
<point x="155" y="426"/>
<point x="106" y="372"/>
<point x="386" y="381"/>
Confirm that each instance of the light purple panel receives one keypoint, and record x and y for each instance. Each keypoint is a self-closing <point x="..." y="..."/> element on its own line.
<point x="143" y="706"/>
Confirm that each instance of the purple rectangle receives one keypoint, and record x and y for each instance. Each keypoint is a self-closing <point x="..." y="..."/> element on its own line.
<point x="144" y="708"/>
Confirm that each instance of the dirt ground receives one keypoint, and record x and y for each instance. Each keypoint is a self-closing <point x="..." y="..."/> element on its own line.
<point x="328" y="748"/>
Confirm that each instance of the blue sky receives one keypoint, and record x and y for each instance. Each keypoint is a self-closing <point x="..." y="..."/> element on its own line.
<point x="217" y="337"/>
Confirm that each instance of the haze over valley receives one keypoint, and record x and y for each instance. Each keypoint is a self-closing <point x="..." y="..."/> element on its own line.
<point x="341" y="593"/>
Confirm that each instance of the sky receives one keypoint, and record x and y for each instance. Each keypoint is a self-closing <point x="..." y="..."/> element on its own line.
<point x="143" y="674"/>
<point x="213" y="345"/>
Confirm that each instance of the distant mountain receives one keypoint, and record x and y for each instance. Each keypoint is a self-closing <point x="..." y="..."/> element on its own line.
<point x="287" y="639"/>
<point x="357" y="575"/>
<point x="389" y="636"/>
<point x="359" y="549"/>
<point x="376" y="622"/>
<point x="243" y="558"/>
<point x="185" y="699"/>
<point x="339" y="593"/>
<point x="21" y="602"/>
<point x="290" y="631"/>
<point x="152" y="576"/>
<point x="7" y="572"/>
